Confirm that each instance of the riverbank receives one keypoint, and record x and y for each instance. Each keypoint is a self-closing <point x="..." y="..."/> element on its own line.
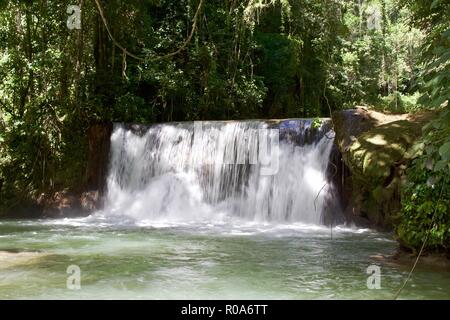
<point x="405" y="260"/>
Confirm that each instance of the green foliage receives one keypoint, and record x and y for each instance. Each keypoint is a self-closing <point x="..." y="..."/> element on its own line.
<point x="425" y="214"/>
<point x="437" y="71"/>
<point x="280" y="67"/>
<point x="379" y="57"/>
<point x="399" y="103"/>
<point x="41" y="101"/>
<point x="426" y="198"/>
<point x="317" y="123"/>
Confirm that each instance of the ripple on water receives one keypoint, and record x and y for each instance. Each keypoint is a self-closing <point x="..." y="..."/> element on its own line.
<point x="203" y="261"/>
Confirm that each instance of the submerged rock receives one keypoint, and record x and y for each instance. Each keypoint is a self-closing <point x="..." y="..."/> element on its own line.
<point x="403" y="260"/>
<point x="11" y="258"/>
<point x="68" y="204"/>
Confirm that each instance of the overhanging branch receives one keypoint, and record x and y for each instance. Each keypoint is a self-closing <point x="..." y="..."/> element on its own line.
<point x="132" y="55"/>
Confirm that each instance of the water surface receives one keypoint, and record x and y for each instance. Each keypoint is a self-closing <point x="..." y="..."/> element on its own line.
<point x="201" y="260"/>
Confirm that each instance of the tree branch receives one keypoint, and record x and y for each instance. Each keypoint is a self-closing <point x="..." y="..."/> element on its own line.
<point x="128" y="53"/>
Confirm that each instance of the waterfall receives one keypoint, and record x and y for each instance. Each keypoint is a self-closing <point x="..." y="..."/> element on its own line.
<point x="264" y="171"/>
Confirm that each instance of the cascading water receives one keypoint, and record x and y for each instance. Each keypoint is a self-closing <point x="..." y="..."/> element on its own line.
<point x="208" y="171"/>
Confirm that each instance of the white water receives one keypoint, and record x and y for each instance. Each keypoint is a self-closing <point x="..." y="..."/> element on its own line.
<point x="168" y="173"/>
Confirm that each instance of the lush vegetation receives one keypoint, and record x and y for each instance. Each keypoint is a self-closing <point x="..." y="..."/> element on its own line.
<point x="216" y="59"/>
<point x="426" y="198"/>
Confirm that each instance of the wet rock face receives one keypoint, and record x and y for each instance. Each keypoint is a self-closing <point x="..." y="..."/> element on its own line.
<point x="374" y="149"/>
<point x="374" y="155"/>
<point x="59" y="204"/>
<point x="99" y="142"/>
<point x="90" y="201"/>
<point x="303" y="132"/>
<point x="86" y="198"/>
<point x="350" y="124"/>
<point x="69" y="204"/>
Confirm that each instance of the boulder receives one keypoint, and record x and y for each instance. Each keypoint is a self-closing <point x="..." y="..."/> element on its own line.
<point x="68" y="204"/>
<point x="374" y="148"/>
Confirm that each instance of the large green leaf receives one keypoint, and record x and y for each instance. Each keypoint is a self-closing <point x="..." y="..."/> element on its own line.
<point x="435" y="3"/>
<point x="442" y="164"/>
<point x="444" y="151"/>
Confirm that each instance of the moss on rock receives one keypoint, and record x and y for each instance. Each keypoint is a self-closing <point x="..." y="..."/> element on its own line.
<point x="374" y="154"/>
<point x="376" y="148"/>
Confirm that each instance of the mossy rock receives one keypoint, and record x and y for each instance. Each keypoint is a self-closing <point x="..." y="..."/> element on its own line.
<point x="377" y="149"/>
<point x="374" y="154"/>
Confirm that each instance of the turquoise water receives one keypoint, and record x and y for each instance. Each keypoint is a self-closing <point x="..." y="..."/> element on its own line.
<point x="228" y="260"/>
<point x="201" y="261"/>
